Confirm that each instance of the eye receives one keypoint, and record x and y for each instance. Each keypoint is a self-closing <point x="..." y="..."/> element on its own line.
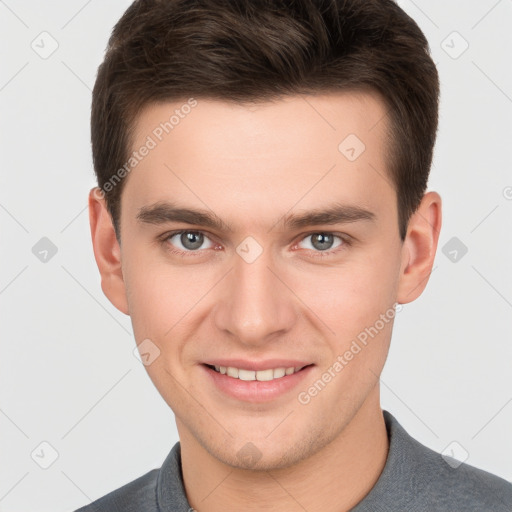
<point x="191" y="243"/>
<point x="323" y="242"/>
<point x="187" y="241"/>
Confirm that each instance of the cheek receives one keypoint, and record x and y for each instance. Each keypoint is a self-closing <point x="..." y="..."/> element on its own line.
<point x="161" y="300"/>
<point x="341" y="299"/>
<point x="348" y="298"/>
<point x="151" y="291"/>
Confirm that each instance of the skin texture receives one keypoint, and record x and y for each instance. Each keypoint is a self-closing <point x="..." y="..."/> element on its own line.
<point x="252" y="166"/>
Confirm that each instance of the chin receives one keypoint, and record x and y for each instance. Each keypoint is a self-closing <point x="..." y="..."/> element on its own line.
<point x="266" y="455"/>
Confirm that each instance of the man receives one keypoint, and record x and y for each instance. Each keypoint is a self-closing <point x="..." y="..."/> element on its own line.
<point x="261" y="214"/>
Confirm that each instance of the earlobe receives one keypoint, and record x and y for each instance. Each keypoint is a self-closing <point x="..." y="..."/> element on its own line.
<point x="107" y="251"/>
<point x="419" y="248"/>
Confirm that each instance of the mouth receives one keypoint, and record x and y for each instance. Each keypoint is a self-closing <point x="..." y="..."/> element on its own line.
<point x="259" y="375"/>
<point x="256" y="383"/>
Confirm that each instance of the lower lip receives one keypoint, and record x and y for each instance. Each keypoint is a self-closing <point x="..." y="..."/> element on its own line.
<point x="254" y="390"/>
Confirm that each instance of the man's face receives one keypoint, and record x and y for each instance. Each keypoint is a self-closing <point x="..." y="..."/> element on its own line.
<point x="267" y="293"/>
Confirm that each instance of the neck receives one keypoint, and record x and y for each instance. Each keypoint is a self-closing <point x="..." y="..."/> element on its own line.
<point x="334" y="479"/>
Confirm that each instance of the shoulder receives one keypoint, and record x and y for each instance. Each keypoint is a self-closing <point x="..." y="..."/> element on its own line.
<point x="417" y="478"/>
<point x="445" y="484"/>
<point x="136" y="496"/>
<point x="449" y="484"/>
<point x="157" y="490"/>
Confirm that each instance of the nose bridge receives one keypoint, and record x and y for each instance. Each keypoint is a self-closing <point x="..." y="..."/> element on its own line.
<point x="256" y="304"/>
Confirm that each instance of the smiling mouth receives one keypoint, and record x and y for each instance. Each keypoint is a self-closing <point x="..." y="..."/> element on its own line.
<point x="259" y="375"/>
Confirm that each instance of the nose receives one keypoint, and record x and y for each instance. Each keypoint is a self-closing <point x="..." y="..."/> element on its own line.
<point x="256" y="306"/>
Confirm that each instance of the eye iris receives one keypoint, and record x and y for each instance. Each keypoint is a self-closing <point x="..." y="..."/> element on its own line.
<point x="322" y="241"/>
<point x="192" y="240"/>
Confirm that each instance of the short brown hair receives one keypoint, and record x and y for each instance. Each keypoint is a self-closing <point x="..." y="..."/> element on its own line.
<point x="257" y="50"/>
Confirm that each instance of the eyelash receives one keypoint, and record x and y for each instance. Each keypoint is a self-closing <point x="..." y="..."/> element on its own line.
<point x="346" y="242"/>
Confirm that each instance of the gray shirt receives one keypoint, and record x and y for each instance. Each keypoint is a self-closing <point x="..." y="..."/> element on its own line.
<point x="414" y="479"/>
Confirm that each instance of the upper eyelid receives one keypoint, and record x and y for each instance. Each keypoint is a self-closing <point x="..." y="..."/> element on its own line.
<point x="169" y="234"/>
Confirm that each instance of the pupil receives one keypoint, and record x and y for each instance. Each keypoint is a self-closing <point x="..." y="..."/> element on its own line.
<point x="192" y="240"/>
<point x="322" y="241"/>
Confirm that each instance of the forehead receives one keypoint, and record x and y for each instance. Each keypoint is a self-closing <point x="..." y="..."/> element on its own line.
<point x="295" y="152"/>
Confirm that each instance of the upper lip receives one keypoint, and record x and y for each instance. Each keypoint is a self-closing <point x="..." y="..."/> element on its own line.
<point x="244" y="364"/>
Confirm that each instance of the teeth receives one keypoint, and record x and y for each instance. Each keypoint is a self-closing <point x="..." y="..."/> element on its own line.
<point x="246" y="374"/>
<point x="264" y="375"/>
<point x="260" y="375"/>
<point x="279" y="372"/>
<point x="232" y="372"/>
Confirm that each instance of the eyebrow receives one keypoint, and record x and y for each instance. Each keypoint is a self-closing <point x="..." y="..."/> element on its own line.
<point x="163" y="212"/>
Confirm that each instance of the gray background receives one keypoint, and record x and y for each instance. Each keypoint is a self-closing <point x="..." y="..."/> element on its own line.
<point x="68" y="374"/>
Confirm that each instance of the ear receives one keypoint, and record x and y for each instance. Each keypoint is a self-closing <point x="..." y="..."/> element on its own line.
<point x="107" y="251"/>
<point x="419" y="248"/>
